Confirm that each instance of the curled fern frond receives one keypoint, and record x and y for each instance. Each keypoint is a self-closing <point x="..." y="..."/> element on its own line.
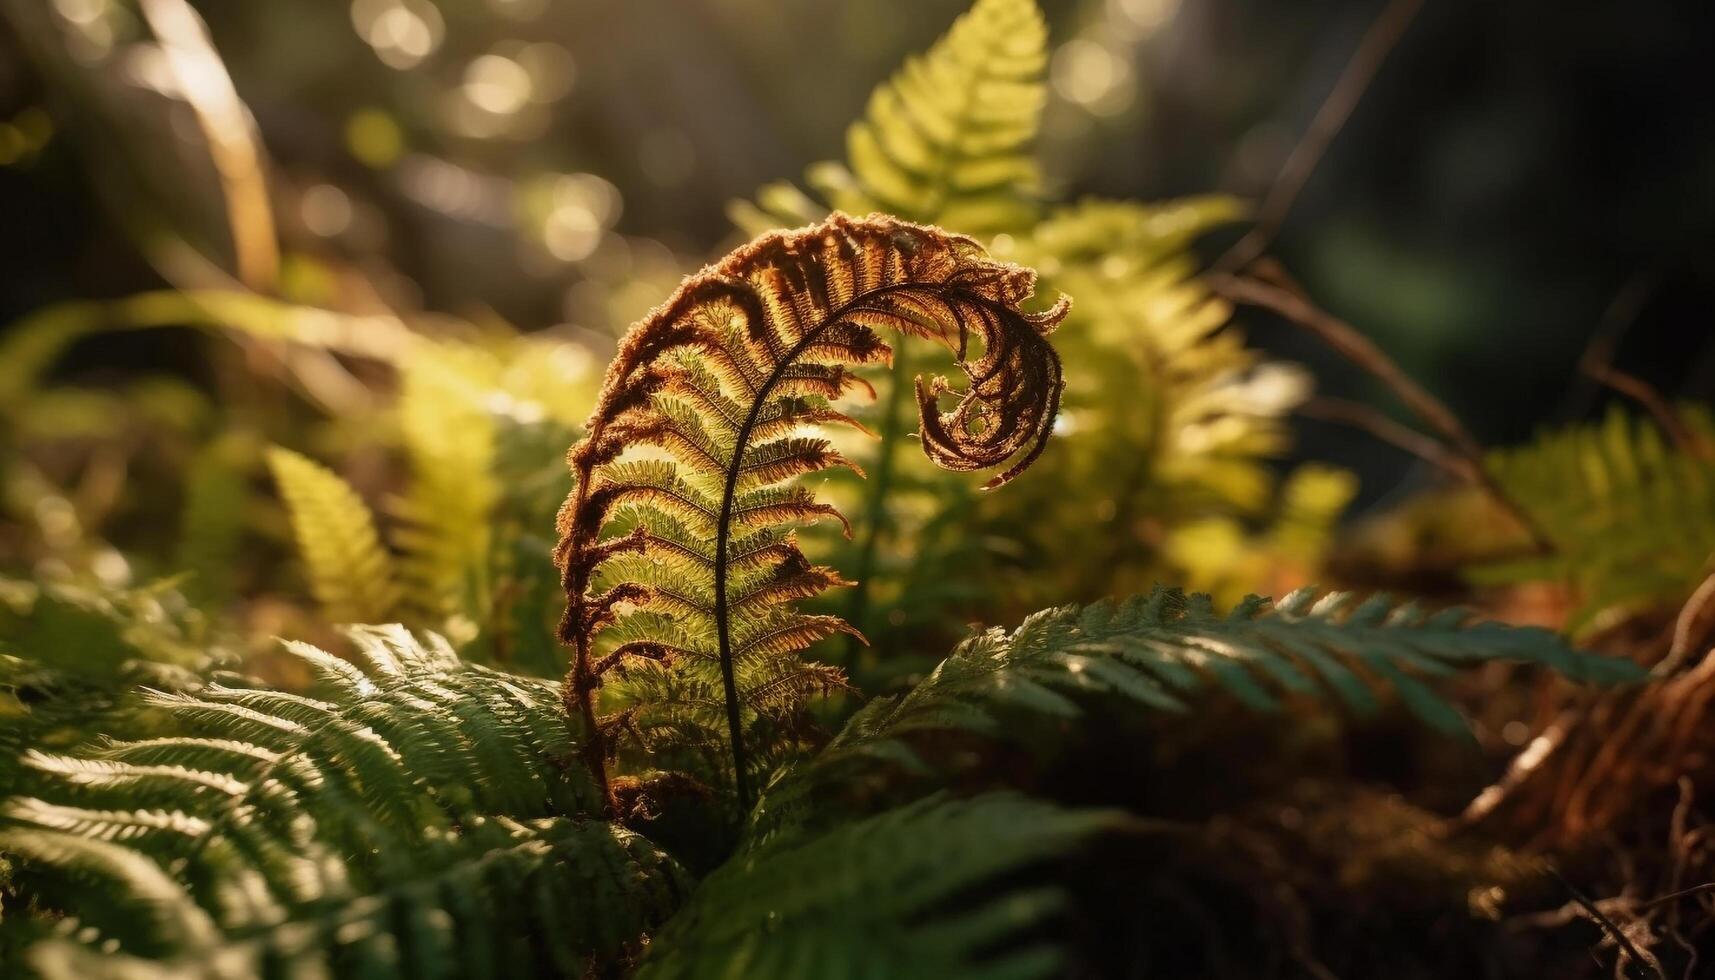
<point x="414" y="816"/>
<point x="727" y="380"/>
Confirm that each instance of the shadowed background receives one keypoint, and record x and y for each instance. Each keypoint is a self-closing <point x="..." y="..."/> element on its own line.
<point x="1516" y="179"/>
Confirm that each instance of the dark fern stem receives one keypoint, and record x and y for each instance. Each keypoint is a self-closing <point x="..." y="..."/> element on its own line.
<point x="729" y="380"/>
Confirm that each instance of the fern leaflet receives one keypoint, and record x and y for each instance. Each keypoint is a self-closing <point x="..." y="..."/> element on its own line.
<point x="1159" y="649"/>
<point x="349" y="571"/>
<point x="946" y="140"/>
<point x="870" y="898"/>
<point x="1631" y="518"/>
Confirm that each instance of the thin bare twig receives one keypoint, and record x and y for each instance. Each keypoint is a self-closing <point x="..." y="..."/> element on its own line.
<point x="1645" y="394"/>
<point x="1608" y="925"/>
<point x="1384" y="34"/>
<point x="1682" y="893"/>
<point x="1617" y="318"/>
<point x="1361" y="416"/>
<point x="1283" y="298"/>
<point x="1690" y="628"/>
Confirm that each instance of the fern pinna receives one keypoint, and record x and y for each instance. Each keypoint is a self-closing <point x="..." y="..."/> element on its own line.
<point x="692" y="556"/>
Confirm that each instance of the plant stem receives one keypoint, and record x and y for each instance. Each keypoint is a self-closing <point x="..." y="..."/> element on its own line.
<point x="872" y="523"/>
<point x="580" y="695"/>
<point x="1282" y="296"/>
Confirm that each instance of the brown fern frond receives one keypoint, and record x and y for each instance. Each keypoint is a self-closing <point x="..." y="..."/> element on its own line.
<point x="728" y="380"/>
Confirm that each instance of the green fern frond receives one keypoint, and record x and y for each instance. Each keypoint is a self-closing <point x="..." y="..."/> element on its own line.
<point x="870" y="898"/>
<point x="947" y="140"/>
<point x="212" y="522"/>
<point x="1630" y="517"/>
<point x="445" y="532"/>
<point x="95" y="631"/>
<point x="1162" y="649"/>
<point x="414" y="817"/>
<point x="349" y="571"/>
<point x="1163" y="646"/>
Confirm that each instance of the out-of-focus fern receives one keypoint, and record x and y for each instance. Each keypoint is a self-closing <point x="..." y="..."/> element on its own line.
<point x="518" y="633"/>
<point x="1208" y="408"/>
<point x="725" y="379"/>
<point x="444" y="514"/>
<point x="213" y="520"/>
<point x="90" y="629"/>
<point x="1631" y="519"/>
<point x="349" y="571"/>
<point x="947" y="140"/>
<point x="1186" y="450"/>
<point x="476" y="418"/>
<point x="413" y="818"/>
<point x="871" y="898"/>
<point x="461" y="386"/>
<point x="1160" y="649"/>
<point x="1225" y="556"/>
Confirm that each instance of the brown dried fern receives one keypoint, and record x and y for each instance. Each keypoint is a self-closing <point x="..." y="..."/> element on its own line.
<point x="692" y="555"/>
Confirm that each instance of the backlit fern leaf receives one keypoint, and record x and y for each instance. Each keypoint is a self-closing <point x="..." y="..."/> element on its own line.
<point x="728" y="381"/>
<point x="946" y="140"/>
<point x="349" y="571"/>
<point x="212" y="524"/>
<point x="445" y="513"/>
<point x="413" y="818"/>
<point x="870" y="898"/>
<point x="1631" y="518"/>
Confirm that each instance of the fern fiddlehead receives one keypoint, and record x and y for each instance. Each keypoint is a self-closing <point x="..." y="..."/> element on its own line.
<point x="725" y="379"/>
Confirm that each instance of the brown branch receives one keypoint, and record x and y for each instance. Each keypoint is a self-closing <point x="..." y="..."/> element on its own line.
<point x="1281" y="296"/>
<point x="1682" y="893"/>
<point x="1644" y="394"/>
<point x="1384" y="34"/>
<point x="1690" y="628"/>
<point x="1361" y="416"/>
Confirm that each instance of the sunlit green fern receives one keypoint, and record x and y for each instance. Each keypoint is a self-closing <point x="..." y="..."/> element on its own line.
<point x="349" y="571"/>
<point x="1630" y="517"/>
<point x="415" y="817"/>
<point x="947" y="140"/>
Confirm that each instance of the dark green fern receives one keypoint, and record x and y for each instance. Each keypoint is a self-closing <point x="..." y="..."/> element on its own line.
<point x="874" y="898"/>
<point x="1158" y="650"/>
<point x="416" y="817"/>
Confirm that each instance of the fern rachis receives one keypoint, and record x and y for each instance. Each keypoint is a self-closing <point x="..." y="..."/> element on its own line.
<point x="721" y="378"/>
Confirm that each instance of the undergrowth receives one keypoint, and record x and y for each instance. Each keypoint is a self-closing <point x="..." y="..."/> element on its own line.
<point x="719" y="696"/>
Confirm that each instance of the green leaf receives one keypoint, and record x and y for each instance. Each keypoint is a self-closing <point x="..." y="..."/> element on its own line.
<point x="870" y="898"/>
<point x="349" y="571"/>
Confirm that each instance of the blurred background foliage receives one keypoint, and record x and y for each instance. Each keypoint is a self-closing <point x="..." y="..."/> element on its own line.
<point x="303" y="302"/>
